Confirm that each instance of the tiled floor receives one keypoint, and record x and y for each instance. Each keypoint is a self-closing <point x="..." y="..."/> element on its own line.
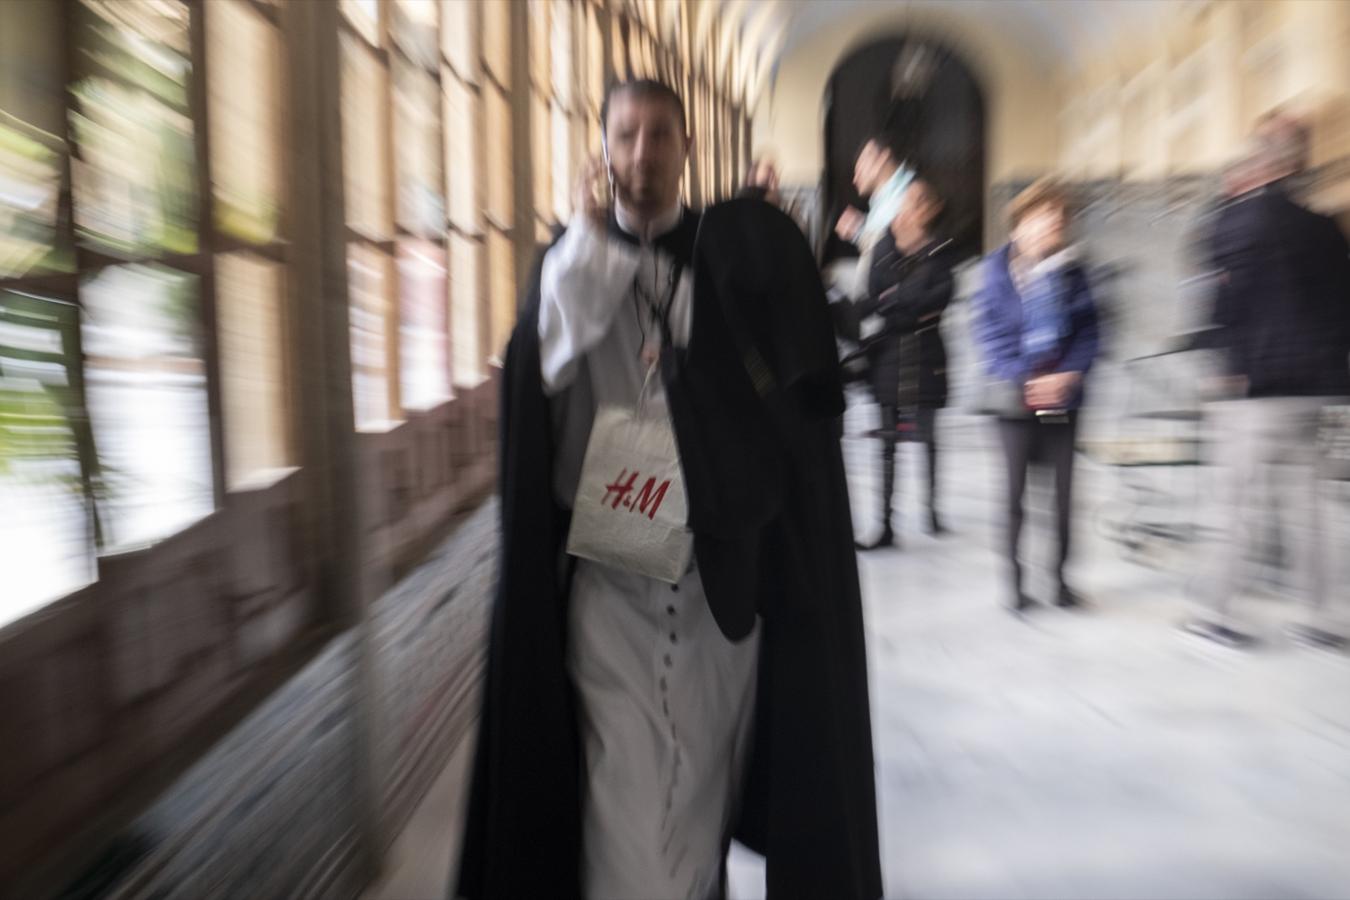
<point x="1096" y="754"/>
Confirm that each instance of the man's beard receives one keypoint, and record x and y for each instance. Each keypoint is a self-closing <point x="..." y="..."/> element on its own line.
<point x="646" y="193"/>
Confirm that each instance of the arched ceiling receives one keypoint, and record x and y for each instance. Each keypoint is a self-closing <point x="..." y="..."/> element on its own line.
<point x="1061" y="32"/>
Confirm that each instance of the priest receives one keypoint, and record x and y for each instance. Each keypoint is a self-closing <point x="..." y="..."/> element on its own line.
<point x="632" y="726"/>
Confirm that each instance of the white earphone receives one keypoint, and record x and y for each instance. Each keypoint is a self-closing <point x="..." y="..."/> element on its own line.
<point x="609" y="167"/>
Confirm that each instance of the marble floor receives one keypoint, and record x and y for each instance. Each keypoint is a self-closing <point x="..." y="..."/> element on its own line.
<point x="1093" y="754"/>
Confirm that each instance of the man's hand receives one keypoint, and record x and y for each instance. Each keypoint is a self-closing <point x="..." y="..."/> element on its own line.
<point x="1051" y="391"/>
<point x="590" y="196"/>
<point x="908" y="228"/>
<point x="850" y="224"/>
<point x="763" y="173"/>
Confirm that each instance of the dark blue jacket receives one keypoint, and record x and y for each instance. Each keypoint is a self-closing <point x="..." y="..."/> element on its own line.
<point x="1282" y="305"/>
<point x="998" y="325"/>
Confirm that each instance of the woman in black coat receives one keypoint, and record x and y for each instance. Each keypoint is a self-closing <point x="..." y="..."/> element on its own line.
<point x="909" y="287"/>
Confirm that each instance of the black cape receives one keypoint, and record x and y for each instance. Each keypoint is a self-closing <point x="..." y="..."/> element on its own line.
<point x="755" y="400"/>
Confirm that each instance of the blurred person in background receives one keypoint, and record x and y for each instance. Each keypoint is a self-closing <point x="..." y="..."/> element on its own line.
<point x="1035" y="327"/>
<point x="881" y="178"/>
<point x="630" y="725"/>
<point x="909" y="287"/>
<point x="1292" y="133"/>
<point x="1281" y="318"/>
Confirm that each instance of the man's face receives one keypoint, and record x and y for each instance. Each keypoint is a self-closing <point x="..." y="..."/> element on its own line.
<point x="864" y="171"/>
<point x="1238" y="179"/>
<point x="1041" y="231"/>
<point x="647" y="151"/>
<point x="916" y="214"/>
<point x="1288" y="131"/>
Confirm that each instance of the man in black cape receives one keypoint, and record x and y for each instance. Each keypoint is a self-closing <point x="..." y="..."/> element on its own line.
<point x="751" y="383"/>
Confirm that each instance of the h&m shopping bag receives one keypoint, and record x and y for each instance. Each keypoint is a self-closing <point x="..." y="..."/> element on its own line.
<point x="631" y="511"/>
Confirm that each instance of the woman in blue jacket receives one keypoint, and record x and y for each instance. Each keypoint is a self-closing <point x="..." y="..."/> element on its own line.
<point x="1036" y="332"/>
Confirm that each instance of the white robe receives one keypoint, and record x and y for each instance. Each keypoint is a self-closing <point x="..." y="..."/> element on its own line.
<point x="666" y="699"/>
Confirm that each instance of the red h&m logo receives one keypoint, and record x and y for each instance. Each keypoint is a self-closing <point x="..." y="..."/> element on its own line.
<point x="647" y="499"/>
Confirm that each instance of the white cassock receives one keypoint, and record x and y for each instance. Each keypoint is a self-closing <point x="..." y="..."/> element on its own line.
<point x="666" y="699"/>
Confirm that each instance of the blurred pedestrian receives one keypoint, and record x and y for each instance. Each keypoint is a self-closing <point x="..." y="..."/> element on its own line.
<point x="881" y="177"/>
<point x="1036" y="331"/>
<point x="1282" y="320"/>
<point x="909" y="288"/>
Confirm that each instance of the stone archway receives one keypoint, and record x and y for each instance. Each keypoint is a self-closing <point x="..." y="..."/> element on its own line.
<point x="930" y="103"/>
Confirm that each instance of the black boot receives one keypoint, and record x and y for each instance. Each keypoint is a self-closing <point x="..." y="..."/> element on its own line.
<point x="1018" y="599"/>
<point x="1219" y="633"/>
<point x="885" y="539"/>
<point x="1068" y="598"/>
<point x="935" y="526"/>
<point x="1318" y="638"/>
